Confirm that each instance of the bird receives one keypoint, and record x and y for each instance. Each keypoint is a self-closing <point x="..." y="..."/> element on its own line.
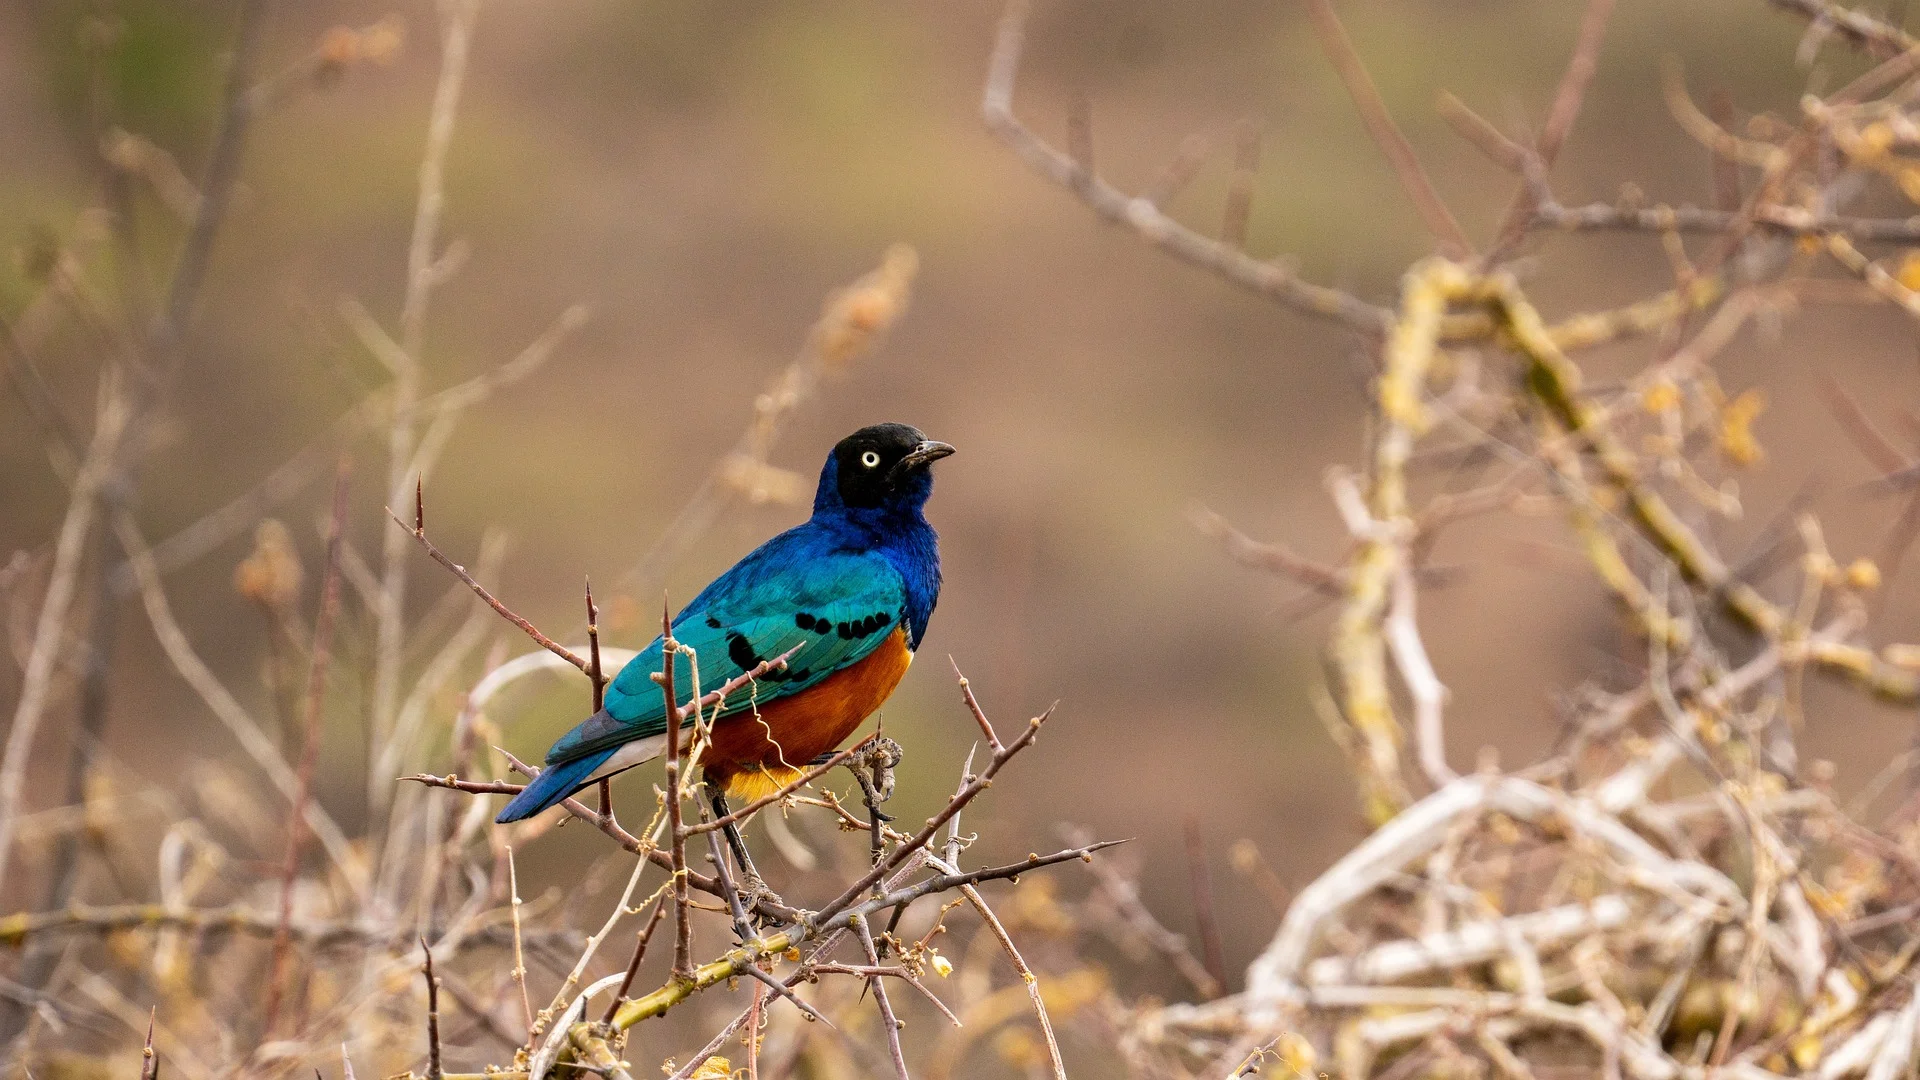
<point x="848" y="592"/>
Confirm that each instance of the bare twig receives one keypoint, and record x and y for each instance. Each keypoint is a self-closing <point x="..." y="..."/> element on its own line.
<point x="418" y="532"/>
<point x="593" y="942"/>
<point x="973" y="707"/>
<point x="433" y="1013"/>
<point x="888" y="1022"/>
<point x="1385" y="133"/>
<point x="735" y="963"/>
<point x="1788" y="220"/>
<point x="456" y="35"/>
<point x="1200" y="880"/>
<point x="1019" y="966"/>
<point x="150" y="1061"/>
<point x="1139" y="920"/>
<point x="519" y="956"/>
<point x="321" y="653"/>
<point x="1475" y="128"/>
<point x="754" y="1013"/>
<point x="676" y="831"/>
<point x="236" y="919"/>
<point x="1141" y="214"/>
<point x="1246" y="164"/>
<point x="639" y="846"/>
<point x="594" y="673"/>
<point x="639" y="954"/>
<point x="1567" y="100"/>
<point x="1273" y="558"/>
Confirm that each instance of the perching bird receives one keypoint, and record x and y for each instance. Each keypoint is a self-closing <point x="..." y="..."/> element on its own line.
<point x="852" y="587"/>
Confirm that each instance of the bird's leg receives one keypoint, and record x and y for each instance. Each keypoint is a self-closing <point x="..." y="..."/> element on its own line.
<point x="752" y="885"/>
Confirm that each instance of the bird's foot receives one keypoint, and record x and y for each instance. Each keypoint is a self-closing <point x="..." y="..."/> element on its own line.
<point x="753" y="891"/>
<point x="874" y="771"/>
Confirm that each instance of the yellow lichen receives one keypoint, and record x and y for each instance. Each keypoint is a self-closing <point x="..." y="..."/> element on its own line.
<point x="1863" y="574"/>
<point x="1660" y="396"/>
<point x="1737" y="440"/>
<point x="1909" y="272"/>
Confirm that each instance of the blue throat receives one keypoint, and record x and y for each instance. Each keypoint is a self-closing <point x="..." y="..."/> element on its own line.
<point x="897" y="529"/>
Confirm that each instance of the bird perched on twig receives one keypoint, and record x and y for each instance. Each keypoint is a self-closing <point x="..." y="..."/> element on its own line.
<point x="851" y="590"/>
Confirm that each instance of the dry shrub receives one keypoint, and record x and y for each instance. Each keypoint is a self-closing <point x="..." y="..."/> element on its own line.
<point x="1672" y="892"/>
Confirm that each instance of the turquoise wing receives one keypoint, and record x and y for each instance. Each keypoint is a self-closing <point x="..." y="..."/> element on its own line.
<point x="834" y="608"/>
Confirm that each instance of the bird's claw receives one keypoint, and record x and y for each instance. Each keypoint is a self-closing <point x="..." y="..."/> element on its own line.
<point x="753" y="890"/>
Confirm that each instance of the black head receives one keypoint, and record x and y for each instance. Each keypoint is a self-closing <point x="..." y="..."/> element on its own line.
<point x="879" y="466"/>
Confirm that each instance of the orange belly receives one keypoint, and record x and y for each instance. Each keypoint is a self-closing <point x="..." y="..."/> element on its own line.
<point x="758" y="751"/>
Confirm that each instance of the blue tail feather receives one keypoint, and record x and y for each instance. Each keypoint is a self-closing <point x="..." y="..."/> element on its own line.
<point x="552" y="786"/>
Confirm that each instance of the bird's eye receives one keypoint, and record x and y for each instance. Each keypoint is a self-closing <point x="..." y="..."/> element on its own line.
<point x="870" y="459"/>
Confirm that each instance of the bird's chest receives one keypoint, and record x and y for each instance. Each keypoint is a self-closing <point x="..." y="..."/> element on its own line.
<point x="794" y="730"/>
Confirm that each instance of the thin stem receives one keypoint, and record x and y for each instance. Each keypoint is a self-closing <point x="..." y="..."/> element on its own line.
<point x="753" y="1032"/>
<point x="593" y="650"/>
<point x="433" y="1014"/>
<point x="1267" y="279"/>
<point x="888" y="1021"/>
<point x="973" y="707"/>
<point x="456" y="35"/>
<point x="519" y="954"/>
<point x="322" y="654"/>
<point x="1201" y="881"/>
<point x="639" y="954"/>
<point x="682" y="916"/>
<point x="418" y="532"/>
<point x="150" y="1061"/>
<point x="1385" y="133"/>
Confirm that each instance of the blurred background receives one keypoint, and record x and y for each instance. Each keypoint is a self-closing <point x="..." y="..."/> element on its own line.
<point x="702" y="180"/>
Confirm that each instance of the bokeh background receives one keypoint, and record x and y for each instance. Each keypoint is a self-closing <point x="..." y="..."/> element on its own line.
<point x="701" y="179"/>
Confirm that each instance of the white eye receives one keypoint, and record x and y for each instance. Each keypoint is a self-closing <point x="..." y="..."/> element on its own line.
<point x="870" y="459"/>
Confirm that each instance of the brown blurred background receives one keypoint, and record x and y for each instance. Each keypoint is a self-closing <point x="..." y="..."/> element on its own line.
<point x="701" y="179"/>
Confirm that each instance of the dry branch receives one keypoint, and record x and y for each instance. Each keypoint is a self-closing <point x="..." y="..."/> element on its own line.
<point x="1385" y="133"/>
<point x="1142" y="216"/>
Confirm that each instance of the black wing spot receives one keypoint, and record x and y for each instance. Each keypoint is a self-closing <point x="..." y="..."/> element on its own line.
<point x="864" y="626"/>
<point x="713" y="622"/>
<point x="746" y="658"/>
<point x="803" y="620"/>
<point x="741" y="652"/>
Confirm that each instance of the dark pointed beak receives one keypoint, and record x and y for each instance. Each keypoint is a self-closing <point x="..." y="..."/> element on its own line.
<point x="924" y="454"/>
